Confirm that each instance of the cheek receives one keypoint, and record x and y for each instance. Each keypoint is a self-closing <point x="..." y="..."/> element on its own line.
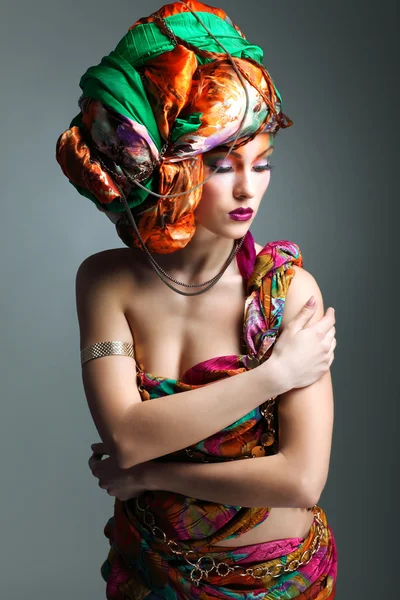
<point x="209" y="198"/>
<point x="262" y="184"/>
<point x="263" y="179"/>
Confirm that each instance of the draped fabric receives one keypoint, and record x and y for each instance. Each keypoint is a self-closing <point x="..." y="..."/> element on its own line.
<point x="148" y="111"/>
<point x="138" y="563"/>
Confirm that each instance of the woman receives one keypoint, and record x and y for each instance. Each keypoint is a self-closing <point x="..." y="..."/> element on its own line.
<point x="182" y="133"/>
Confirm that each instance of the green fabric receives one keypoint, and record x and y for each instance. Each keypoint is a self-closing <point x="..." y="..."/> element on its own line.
<point x="146" y="41"/>
<point x="116" y="83"/>
<point x="184" y="126"/>
<point x="116" y="206"/>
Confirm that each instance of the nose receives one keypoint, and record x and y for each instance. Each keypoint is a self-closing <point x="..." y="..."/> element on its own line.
<point x="244" y="187"/>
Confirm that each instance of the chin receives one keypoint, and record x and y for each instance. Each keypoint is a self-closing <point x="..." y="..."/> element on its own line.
<point x="232" y="230"/>
<point x="235" y="232"/>
<point x="237" y="229"/>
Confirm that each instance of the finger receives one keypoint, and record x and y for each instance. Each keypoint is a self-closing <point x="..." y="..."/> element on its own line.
<point x="94" y="461"/>
<point x="326" y="322"/>
<point x="304" y="315"/>
<point x="98" y="448"/>
<point x="332" y="353"/>
<point x="331" y="334"/>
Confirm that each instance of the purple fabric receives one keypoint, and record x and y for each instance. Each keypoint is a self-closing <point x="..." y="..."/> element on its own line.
<point x="246" y="256"/>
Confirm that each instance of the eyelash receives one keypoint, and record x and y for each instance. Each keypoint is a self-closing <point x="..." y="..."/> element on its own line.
<point x="260" y="168"/>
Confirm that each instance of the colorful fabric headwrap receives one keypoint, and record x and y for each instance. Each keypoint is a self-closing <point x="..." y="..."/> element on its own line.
<point x="164" y="96"/>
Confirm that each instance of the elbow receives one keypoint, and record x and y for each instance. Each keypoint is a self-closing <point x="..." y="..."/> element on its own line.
<point x="303" y="490"/>
<point x="125" y="462"/>
<point x="125" y="453"/>
<point x="126" y="446"/>
<point x="124" y="457"/>
<point x="308" y="493"/>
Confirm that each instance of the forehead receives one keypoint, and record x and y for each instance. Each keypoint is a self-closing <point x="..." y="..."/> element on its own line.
<point x="251" y="149"/>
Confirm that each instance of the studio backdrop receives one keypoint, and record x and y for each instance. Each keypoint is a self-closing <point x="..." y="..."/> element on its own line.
<point x="333" y="191"/>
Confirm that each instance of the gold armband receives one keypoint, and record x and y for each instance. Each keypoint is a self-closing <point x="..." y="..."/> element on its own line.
<point x="106" y="349"/>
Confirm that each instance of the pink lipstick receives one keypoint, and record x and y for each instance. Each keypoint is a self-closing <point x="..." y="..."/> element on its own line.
<point x="241" y="214"/>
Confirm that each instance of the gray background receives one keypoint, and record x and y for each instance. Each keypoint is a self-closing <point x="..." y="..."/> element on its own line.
<point x="332" y="192"/>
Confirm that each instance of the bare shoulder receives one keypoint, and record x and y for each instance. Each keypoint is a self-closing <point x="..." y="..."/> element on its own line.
<point x="99" y="290"/>
<point x="96" y="273"/>
<point x="107" y="268"/>
<point x="100" y="262"/>
<point x="302" y="285"/>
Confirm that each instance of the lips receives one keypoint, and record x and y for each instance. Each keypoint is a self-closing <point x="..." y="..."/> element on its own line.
<point x="241" y="211"/>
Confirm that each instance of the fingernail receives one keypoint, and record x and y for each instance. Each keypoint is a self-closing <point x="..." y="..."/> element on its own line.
<point x="311" y="301"/>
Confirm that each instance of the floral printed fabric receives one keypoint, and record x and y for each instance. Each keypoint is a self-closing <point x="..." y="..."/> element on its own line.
<point x="138" y="565"/>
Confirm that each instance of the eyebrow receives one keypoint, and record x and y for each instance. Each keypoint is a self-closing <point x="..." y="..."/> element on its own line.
<point x="233" y="153"/>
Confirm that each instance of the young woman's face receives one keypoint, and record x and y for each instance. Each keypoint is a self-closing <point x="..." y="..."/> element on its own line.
<point x="240" y="183"/>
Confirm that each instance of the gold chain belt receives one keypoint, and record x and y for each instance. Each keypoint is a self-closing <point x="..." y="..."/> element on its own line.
<point x="205" y="564"/>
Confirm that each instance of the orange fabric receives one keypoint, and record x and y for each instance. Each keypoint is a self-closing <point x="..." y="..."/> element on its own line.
<point x="73" y="154"/>
<point x="150" y="121"/>
<point x="176" y="7"/>
<point x="167" y="84"/>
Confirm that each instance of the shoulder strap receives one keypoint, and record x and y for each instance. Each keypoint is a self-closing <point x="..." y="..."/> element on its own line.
<point x="267" y="290"/>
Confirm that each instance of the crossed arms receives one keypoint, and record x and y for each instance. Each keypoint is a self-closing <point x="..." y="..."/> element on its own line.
<point x="136" y="432"/>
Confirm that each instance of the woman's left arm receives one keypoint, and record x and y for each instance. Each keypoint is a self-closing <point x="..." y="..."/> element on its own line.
<point x="294" y="477"/>
<point x="305" y="417"/>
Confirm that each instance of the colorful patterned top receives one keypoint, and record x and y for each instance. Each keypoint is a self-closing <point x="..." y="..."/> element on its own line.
<point x="140" y="563"/>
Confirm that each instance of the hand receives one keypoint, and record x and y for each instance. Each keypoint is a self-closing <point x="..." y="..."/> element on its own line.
<point x="303" y="352"/>
<point x="121" y="483"/>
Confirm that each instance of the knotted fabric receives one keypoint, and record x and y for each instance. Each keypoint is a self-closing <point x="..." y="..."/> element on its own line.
<point x="152" y="107"/>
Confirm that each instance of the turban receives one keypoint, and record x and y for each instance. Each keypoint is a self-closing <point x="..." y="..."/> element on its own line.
<point x="152" y="107"/>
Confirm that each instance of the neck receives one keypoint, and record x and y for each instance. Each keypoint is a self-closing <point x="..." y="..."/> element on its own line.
<point x="202" y="258"/>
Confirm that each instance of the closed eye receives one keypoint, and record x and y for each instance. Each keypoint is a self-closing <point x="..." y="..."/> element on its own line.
<point x="266" y="167"/>
<point x="258" y="168"/>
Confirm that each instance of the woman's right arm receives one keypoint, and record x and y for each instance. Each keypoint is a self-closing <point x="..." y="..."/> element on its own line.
<point x="136" y="431"/>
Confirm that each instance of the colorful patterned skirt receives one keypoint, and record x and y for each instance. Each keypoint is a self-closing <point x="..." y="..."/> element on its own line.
<point x="265" y="571"/>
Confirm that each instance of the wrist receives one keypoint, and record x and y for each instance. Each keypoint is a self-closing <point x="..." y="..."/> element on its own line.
<point x="151" y="479"/>
<point x="166" y="476"/>
<point x="279" y="380"/>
